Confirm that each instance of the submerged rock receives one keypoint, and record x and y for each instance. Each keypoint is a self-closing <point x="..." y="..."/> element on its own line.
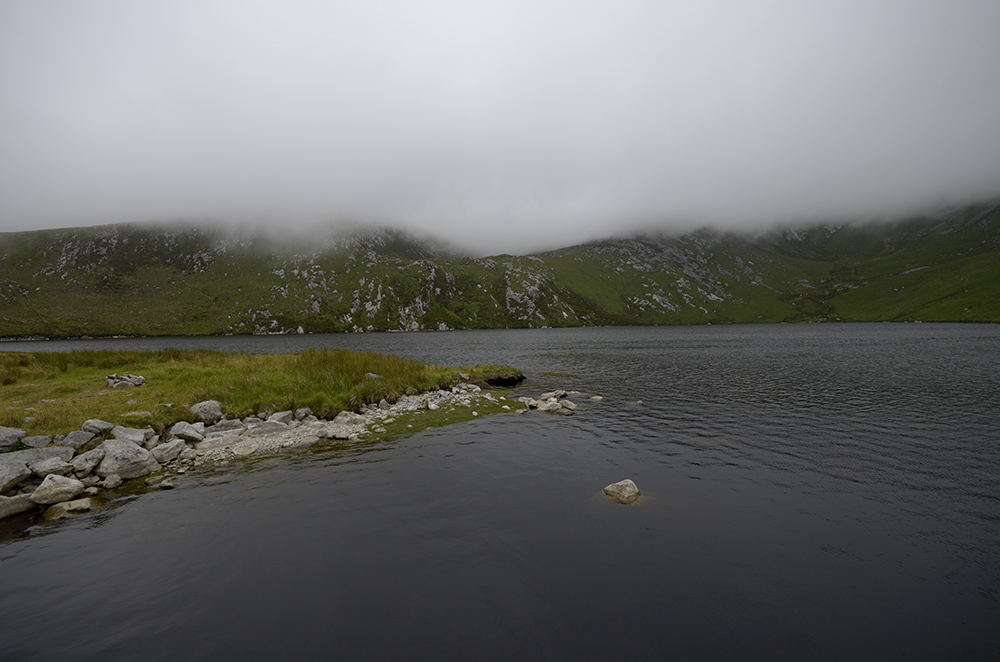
<point x="624" y="491"/>
<point x="10" y="506"/>
<point x="64" y="509"/>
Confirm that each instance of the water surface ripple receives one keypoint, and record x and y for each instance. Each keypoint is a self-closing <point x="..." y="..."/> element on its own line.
<point x="811" y="492"/>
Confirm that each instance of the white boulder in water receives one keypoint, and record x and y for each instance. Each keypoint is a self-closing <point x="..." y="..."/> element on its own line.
<point x="624" y="491"/>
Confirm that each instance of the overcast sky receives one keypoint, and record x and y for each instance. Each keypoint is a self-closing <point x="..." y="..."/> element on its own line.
<point x="506" y="125"/>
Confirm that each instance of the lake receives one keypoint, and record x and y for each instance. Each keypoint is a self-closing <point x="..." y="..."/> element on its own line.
<point x="810" y="492"/>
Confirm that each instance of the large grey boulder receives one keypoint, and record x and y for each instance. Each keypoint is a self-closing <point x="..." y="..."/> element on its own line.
<point x="9" y="437"/>
<point x="186" y="431"/>
<point x="624" y="491"/>
<point x="282" y="417"/>
<point x="77" y="438"/>
<point x="12" y="474"/>
<point x="97" y="426"/>
<point x="126" y="459"/>
<point x="84" y="463"/>
<point x="57" y="488"/>
<point x="169" y="451"/>
<point x="50" y="465"/>
<point x="135" y="435"/>
<point x="207" y="412"/>
<point x="37" y="441"/>
<point x="10" y="506"/>
<point x="29" y="455"/>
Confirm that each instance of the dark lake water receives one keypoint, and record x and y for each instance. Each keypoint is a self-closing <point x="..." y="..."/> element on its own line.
<point x="820" y="492"/>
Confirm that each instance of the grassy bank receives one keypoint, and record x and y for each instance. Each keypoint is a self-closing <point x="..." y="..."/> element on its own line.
<point x="53" y="393"/>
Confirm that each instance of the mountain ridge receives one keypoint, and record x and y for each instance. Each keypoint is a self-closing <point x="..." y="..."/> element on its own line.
<point x="150" y="279"/>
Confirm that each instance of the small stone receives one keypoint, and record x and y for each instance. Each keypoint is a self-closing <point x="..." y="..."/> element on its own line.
<point x="624" y="491"/>
<point x="302" y="413"/>
<point x="37" y="441"/>
<point x="112" y="481"/>
<point x="596" y="398"/>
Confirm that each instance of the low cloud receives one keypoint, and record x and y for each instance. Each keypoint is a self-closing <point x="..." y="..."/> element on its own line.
<point x="501" y="126"/>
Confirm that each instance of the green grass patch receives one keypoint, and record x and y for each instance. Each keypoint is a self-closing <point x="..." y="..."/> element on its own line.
<point x="56" y="392"/>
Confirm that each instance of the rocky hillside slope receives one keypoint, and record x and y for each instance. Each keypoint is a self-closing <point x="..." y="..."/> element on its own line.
<point x="145" y="279"/>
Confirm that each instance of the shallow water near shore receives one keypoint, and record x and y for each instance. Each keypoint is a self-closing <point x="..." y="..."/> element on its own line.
<point x="809" y="492"/>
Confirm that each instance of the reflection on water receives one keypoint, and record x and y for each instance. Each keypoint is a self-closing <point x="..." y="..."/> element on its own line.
<point x="812" y="492"/>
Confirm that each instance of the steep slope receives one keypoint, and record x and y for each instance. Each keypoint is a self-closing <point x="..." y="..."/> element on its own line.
<point x="141" y="279"/>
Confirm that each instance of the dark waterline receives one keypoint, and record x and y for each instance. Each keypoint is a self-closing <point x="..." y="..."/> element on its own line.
<point x="812" y="492"/>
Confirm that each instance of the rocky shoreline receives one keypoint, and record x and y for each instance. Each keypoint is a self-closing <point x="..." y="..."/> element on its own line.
<point x="77" y="472"/>
<point x="74" y="473"/>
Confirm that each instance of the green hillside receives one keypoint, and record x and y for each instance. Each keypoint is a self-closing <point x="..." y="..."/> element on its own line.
<point x="145" y="279"/>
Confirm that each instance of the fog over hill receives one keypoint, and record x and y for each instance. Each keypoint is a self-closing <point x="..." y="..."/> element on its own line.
<point x="149" y="279"/>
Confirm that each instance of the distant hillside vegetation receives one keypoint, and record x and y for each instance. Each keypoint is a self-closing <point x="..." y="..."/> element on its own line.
<point x="143" y="279"/>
